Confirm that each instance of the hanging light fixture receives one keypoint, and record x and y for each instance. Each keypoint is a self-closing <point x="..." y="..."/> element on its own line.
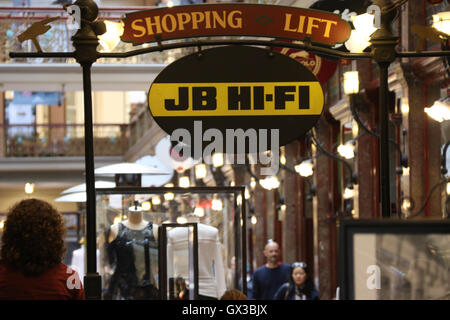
<point x="184" y="182"/>
<point x="305" y="168"/>
<point x="406" y="204"/>
<point x="254" y="220"/>
<point x="156" y="200"/>
<point x="246" y="193"/>
<point x="146" y="206"/>
<point x="111" y="38"/>
<point x="349" y="192"/>
<point x="252" y="183"/>
<point x="199" y="212"/>
<point x="181" y="220"/>
<point x="200" y="171"/>
<point x="360" y="36"/>
<point x="168" y="196"/>
<point x="283" y="159"/>
<point x="29" y="188"/>
<point x="355" y="129"/>
<point x="441" y="22"/>
<point x="440" y="110"/>
<point x="270" y="183"/>
<point x="239" y="199"/>
<point x="405" y="108"/>
<point x="217" y="205"/>
<point x="405" y="171"/>
<point x="347" y="150"/>
<point x="217" y="160"/>
<point x="351" y="82"/>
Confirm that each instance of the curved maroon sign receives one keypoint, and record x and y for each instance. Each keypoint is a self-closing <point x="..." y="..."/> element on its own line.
<point x="235" y="20"/>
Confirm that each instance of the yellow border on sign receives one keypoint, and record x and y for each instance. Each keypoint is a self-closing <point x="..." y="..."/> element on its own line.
<point x="160" y="92"/>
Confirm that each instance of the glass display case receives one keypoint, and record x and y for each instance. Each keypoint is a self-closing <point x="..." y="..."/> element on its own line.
<point x="145" y="239"/>
<point x="394" y="260"/>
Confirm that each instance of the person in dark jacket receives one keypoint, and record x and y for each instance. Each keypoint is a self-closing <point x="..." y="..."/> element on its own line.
<point x="300" y="285"/>
<point x="269" y="277"/>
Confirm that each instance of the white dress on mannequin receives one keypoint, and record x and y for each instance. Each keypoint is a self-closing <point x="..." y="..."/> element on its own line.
<point x="211" y="271"/>
<point x="78" y="261"/>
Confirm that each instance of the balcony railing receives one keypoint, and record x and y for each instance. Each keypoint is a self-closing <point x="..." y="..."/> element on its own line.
<point x="50" y="140"/>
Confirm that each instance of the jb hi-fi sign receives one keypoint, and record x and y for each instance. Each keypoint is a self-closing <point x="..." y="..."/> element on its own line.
<point x="236" y="100"/>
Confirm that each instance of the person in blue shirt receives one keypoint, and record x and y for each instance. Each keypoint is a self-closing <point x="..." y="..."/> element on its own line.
<point x="300" y="285"/>
<point x="269" y="277"/>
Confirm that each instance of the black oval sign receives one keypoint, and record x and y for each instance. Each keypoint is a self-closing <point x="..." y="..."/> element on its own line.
<point x="236" y="89"/>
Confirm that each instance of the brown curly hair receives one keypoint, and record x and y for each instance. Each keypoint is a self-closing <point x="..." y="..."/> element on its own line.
<point x="33" y="237"/>
<point x="233" y="294"/>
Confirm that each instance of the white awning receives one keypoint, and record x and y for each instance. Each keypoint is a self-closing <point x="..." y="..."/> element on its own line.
<point x="58" y="77"/>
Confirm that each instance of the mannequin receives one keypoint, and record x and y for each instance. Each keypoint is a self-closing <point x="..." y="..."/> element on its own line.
<point x="210" y="263"/>
<point x="127" y="243"/>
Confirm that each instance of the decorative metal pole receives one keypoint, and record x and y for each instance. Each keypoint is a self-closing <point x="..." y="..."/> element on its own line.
<point x="383" y="44"/>
<point x="85" y="43"/>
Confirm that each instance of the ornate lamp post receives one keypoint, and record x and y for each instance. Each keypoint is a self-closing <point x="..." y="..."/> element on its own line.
<point x="383" y="52"/>
<point x="85" y="42"/>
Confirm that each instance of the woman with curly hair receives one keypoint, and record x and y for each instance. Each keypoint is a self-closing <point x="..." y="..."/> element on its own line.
<point x="300" y="285"/>
<point x="233" y="294"/>
<point x="31" y="254"/>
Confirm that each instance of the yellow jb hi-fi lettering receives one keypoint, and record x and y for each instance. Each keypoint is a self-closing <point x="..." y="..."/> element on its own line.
<point x="235" y="99"/>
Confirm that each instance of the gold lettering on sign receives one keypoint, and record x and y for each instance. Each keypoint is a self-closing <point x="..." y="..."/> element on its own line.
<point x="183" y="18"/>
<point x="135" y="26"/>
<point x="182" y="21"/>
<point x="156" y="23"/>
<point x="313" y="24"/>
<point x="328" y="27"/>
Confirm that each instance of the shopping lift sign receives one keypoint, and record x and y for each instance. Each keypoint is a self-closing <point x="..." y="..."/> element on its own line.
<point x="235" y="20"/>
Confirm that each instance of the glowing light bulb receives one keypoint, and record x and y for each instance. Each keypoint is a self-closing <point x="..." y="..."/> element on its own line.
<point x="305" y="168"/>
<point x="184" y="182"/>
<point x="252" y="183"/>
<point x="146" y="205"/>
<point x="351" y="82"/>
<point x="270" y="183"/>
<point x="348" y="193"/>
<point x="181" y="220"/>
<point x="217" y="160"/>
<point x="29" y="188"/>
<point x="200" y="171"/>
<point x="156" y="200"/>
<point x="111" y="38"/>
<point x="169" y="196"/>
<point x="217" y="205"/>
<point x="346" y="150"/>
<point x="199" y="212"/>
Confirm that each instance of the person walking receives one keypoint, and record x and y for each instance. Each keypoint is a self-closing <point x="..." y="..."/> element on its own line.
<point x="300" y="285"/>
<point x="31" y="254"/>
<point x="269" y="277"/>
